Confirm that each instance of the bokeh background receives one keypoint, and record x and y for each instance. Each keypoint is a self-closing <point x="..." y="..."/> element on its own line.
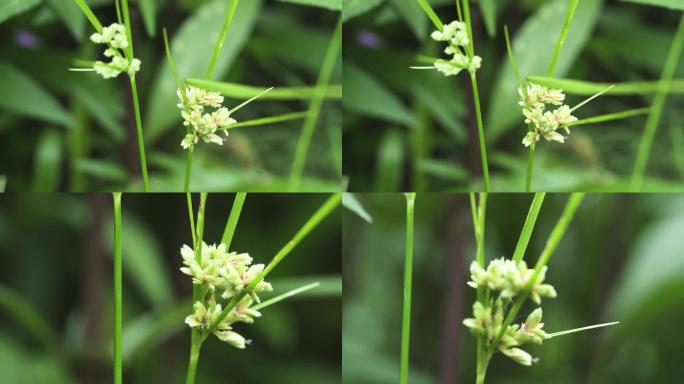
<point x="407" y="129"/>
<point x="622" y="259"/>
<point x="56" y="299"/>
<point x="62" y="130"/>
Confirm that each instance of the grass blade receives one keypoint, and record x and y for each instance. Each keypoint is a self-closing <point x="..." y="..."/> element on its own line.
<point x="528" y="227"/>
<point x="581" y="87"/>
<point x="431" y="14"/>
<point x="233" y="218"/>
<point x="284" y="296"/>
<point x="227" y="20"/>
<point x="243" y="92"/>
<point x="611" y="116"/>
<point x="408" y="275"/>
<point x="561" y="38"/>
<point x="269" y="120"/>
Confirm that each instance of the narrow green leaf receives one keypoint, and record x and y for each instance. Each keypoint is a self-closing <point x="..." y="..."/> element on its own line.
<point x="335" y="5"/>
<point x="71" y="15"/>
<point x="11" y="8"/>
<point x="47" y="162"/>
<point x="353" y="204"/>
<point x="3" y="183"/>
<point x="443" y="169"/>
<point x="148" y="8"/>
<point x="269" y="120"/>
<point x="28" y="98"/>
<point x="581" y="87"/>
<point x="389" y="169"/>
<point x="489" y="11"/>
<point x="528" y="227"/>
<point x="244" y="92"/>
<point x="192" y="50"/>
<point x="353" y="8"/>
<point x="611" y="116"/>
<point x="27" y="316"/>
<point x="285" y="296"/>
<point x="413" y="16"/>
<point x="102" y="170"/>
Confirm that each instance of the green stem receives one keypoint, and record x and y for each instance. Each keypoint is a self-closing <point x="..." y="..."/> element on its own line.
<point x="408" y="273"/>
<point x="227" y="20"/>
<point x="480" y="131"/>
<point x="431" y="14"/>
<point x="233" y="218"/>
<point x="482" y="364"/>
<point x="191" y="216"/>
<point x="309" y="226"/>
<point x="530" y="169"/>
<point x="315" y="105"/>
<point x="528" y="227"/>
<point x="188" y="170"/>
<point x="551" y="244"/>
<point x="657" y="109"/>
<point x="118" y="290"/>
<point x="195" y="336"/>
<point x="284" y="296"/>
<point x="139" y="130"/>
<point x="561" y="38"/>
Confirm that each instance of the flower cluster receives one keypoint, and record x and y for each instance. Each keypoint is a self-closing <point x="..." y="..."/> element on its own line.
<point x="509" y="279"/>
<point x="487" y="323"/>
<point x="203" y="126"/>
<point x="534" y="101"/>
<point x="223" y="274"/>
<point x="456" y="36"/>
<point x="114" y="36"/>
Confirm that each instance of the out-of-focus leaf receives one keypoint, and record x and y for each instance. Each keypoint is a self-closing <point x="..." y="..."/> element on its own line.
<point x="192" y="51"/>
<point x="443" y="169"/>
<point x="364" y="94"/>
<point x="101" y="109"/>
<point x="390" y="161"/>
<point x="672" y="4"/>
<point x="3" y="183"/>
<point x="23" y="365"/>
<point x="148" y="8"/>
<point x="655" y="267"/>
<point x="243" y="92"/>
<point x="330" y="286"/>
<point x="353" y="204"/>
<point x="488" y="9"/>
<point x="48" y="158"/>
<point x="27" y="316"/>
<point x="29" y="98"/>
<point x="532" y="46"/>
<point x="580" y="87"/>
<point x="71" y="15"/>
<point x="413" y="16"/>
<point x="353" y="8"/>
<point x="102" y="170"/>
<point x="335" y="5"/>
<point x="10" y="8"/>
<point x="142" y="259"/>
<point x="151" y="329"/>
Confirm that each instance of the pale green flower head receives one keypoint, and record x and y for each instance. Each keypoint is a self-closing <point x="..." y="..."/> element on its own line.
<point x="534" y="100"/>
<point x="114" y="36"/>
<point x="456" y="37"/>
<point x="204" y="125"/>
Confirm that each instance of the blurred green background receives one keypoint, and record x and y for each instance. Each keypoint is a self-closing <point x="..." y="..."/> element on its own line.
<point x="56" y="299"/>
<point x="622" y="259"/>
<point x="408" y="129"/>
<point x="62" y="130"/>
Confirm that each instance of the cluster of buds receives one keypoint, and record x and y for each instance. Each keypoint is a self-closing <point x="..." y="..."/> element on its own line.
<point x="534" y="101"/>
<point x="114" y="36"/>
<point x="456" y="36"/>
<point x="223" y="274"/>
<point x="203" y="126"/>
<point x="487" y="322"/>
<point x="509" y="279"/>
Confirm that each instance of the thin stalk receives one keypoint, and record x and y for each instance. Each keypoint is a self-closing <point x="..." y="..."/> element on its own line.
<point x="284" y="296"/>
<point x="268" y="120"/>
<point x="551" y="244"/>
<point x="408" y="274"/>
<point x="315" y="105"/>
<point x="657" y="109"/>
<point x="479" y="213"/>
<point x="195" y="336"/>
<point x="530" y="168"/>
<point x="528" y="227"/>
<point x="227" y="20"/>
<point x="191" y="216"/>
<point x="480" y="131"/>
<point x="188" y="170"/>
<point x="561" y="38"/>
<point x="233" y="218"/>
<point x="85" y="8"/>
<point x="118" y="290"/>
<point x="309" y="226"/>
<point x="431" y="14"/>
<point x="141" y="140"/>
<point x="610" y="117"/>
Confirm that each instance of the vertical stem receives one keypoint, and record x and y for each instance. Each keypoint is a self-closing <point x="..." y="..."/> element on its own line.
<point x="195" y="336"/>
<point x="315" y="108"/>
<point x="657" y="108"/>
<point x="561" y="38"/>
<point x="188" y="170"/>
<point x="480" y="131"/>
<point x="408" y="273"/>
<point x="530" y="168"/>
<point x="118" y="290"/>
<point x="141" y="140"/>
<point x="227" y="20"/>
<point x="233" y="218"/>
